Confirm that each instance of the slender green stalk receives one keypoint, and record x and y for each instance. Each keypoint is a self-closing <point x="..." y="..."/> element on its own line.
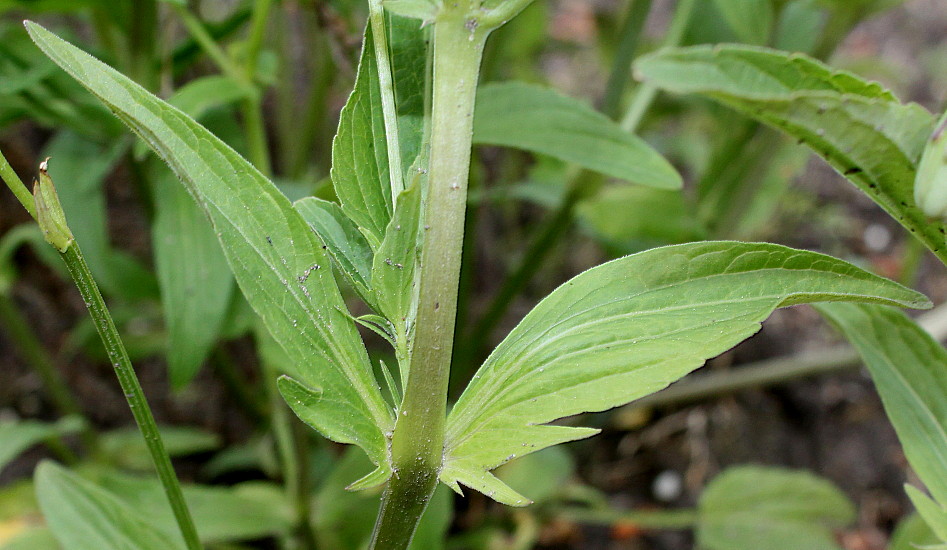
<point x="33" y="352"/>
<point x="644" y="519"/>
<point x="376" y="17"/>
<point x="261" y="14"/>
<point x="417" y="444"/>
<point x="15" y="184"/>
<point x="645" y="94"/>
<point x="207" y="43"/>
<point x="628" y="39"/>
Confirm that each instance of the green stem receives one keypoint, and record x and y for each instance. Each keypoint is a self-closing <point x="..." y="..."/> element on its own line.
<point x="242" y="391"/>
<point x="133" y="392"/>
<point x="15" y="184"/>
<point x="628" y="38"/>
<point x="376" y="17"/>
<point x="645" y="94"/>
<point x="33" y="352"/>
<point x="261" y="14"/>
<point x="645" y="519"/>
<point x="417" y="444"/>
<point x="207" y="43"/>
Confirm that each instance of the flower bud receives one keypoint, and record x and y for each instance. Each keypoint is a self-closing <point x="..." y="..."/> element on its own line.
<point x="930" y="183"/>
<point x="49" y="212"/>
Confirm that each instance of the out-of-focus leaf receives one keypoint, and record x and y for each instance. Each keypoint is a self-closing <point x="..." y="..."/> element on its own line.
<point x="127" y="448"/>
<point x="909" y="369"/>
<point x="32" y="538"/>
<point x="857" y="126"/>
<point x="912" y="533"/>
<point x="626" y="329"/>
<point x="82" y="515"/>
<point x="749" y="508"/>
<point x="19" y="435"/>
<point x="540" y="475"/>
<point x="751" y="20"/>
<point x="249" y="510"/>
<point x="800" y="26"/>
<point x="195" y="280"/>
<point x="277" y="260"/>
<point x="360" y="153"/>
<point x="541" y="120"/>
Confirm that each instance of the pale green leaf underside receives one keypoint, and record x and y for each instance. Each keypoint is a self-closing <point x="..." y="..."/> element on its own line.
<point x="857" y="126"/>
<point x="541" y="120"/>
<point x="342" y="239"/>
<point x="83" y="515"/>
<point x="276" y="258"/>
<point x="360" y="152"/>
<point x="629" y="328"/>
<point x="909" y="369"/>
<point x="749" y="508"/>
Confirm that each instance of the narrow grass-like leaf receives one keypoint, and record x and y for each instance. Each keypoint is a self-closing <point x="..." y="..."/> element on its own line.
<point x="18" y="436"/>
<point x="342" y="239"/>
<point x="857" y="126"/>
<point x="909" y="369"/>
<point x="83" y="515"/>
<point x="934" y="514"/>
<point x="749" y="508"/>
<point x="277" y="260"/>
<point x="541" y="120"/>
<point x="626" y="329"/>
<point x="360" y="153"/>
<point x="195" y="280"/>
<point x="393" y="269"/>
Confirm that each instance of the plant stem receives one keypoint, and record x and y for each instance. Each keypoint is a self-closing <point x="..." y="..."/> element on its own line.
<point x="417" y="444"/>
<point x="646" y="519"/>
<point x="33" y="352"/>
<point x="133" y="392"/>
<point x="15" y="184"/>
<point x="376" y="18"/>
<point x="628" y="38"/>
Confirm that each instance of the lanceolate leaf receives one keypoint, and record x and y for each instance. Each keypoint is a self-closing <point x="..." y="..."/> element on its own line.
<point x="195" y="280"/>
<point x="277" y="260"/>
<point x="83" y="515"/>
<point x="393" y="269"/>
<point x="342" y="239"/>
<point x="626" y="329"/>
<point x="909" y="369"/>
<point x="857" y="126"/>
<point x="360" y="153"/>
<point x="541" y="120"/>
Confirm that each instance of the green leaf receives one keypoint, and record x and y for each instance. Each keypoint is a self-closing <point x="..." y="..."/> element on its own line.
<point x="857" y="126"/>
<point x="751" y="20"/>
<point x="126" y="447"/>
<point x="19" y="435"/>
<point x="749" y="508"/>
<point x="393" y="269"/>
<point x="83" y="515"/>
<point x="276" y="258"/>
<point x="911" y="533"/>
<point x="360" y="153"/>
<point x="541" y="120"/>
<point x="801" y="23"/>
<point x="408" y="44"/>
<point x="935" y="515"/>
<point x="342" y="240"/>
<point x="626" y="329"/>
<point x="909" y="369"/>
<point x="425" y="10"/>
<point x="195" y="280"/>
<point x="250" y="510"/>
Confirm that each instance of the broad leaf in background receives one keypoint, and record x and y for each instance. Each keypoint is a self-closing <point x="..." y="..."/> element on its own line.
<point x="195" y="280"/>
<point x="857" y="126"/>
<point x="82" y="515"/>
<point x="277" y="260"/>
<point x="626" y="329"/>
<point x="393" y="269"/>
<point x="347" y="246"/>
<point x="126" y="448"/>
<point x="909" y="369"/>
<point x="250" y="510"/>
<point x="19" y="435"/>
<point x="750" y="508"/>
<point x="541" y="120"/>
<point x="751" y="20"/>
<point x="360" y="153"/>
<point x="800" y="26"/>
<point x="912" y="533"/>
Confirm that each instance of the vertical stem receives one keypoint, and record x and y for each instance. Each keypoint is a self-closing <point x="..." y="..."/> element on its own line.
<point x="15" y="184"/>
<point x="376" y="17"/>
<point x="133" y="392"/>
<point x="417" y="444"/>
<point x="627" y="46"/>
